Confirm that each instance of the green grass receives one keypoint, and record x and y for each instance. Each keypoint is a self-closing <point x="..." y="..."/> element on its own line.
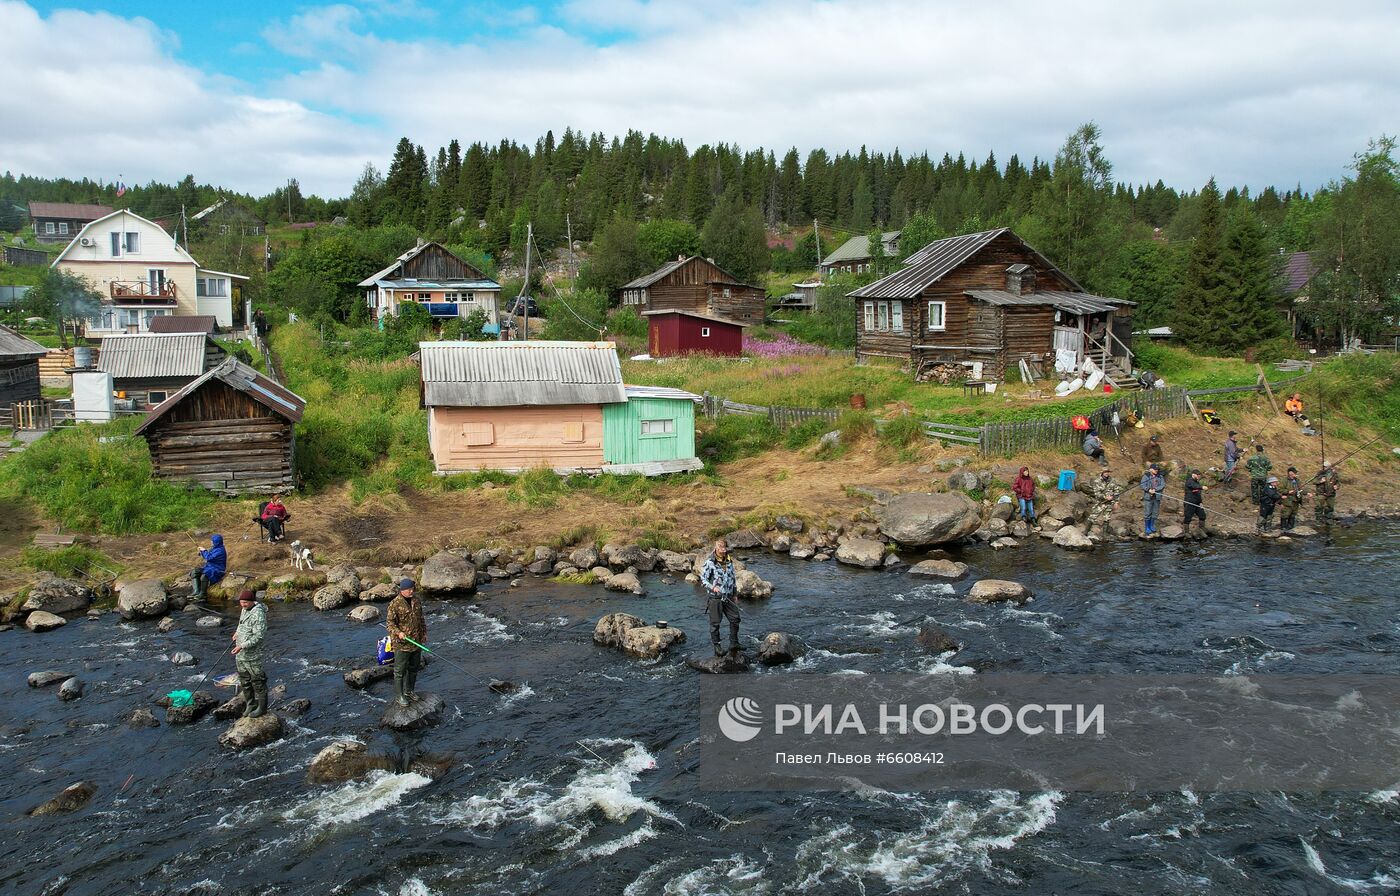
<point x="1363" y="388"/>
<point x="69" y="562"/>
<point x="97" y="478"/>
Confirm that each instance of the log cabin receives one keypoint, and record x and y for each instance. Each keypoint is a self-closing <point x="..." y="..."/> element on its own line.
<point x="232" y="431"/>
<point x="986" y="301"/>
<point x="439" y="280"/>
<point x="697" y="285"/>
<point x="19" y="368"/>
<point x="147" y="367"/>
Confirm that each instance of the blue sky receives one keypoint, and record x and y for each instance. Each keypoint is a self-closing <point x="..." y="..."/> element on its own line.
<point x="249" y="94"/>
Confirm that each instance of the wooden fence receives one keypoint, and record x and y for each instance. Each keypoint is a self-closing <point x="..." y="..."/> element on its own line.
<point x="713" y="406"/>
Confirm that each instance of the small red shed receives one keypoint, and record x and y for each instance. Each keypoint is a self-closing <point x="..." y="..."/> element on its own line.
<point x="674" y="332"/>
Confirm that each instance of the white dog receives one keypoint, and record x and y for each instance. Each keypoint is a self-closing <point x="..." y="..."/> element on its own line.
<point x="301" y="556"/>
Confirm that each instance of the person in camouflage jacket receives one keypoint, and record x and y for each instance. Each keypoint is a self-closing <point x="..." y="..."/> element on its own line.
<point x="1325" y="487"/>
<point x="1258" y="466"/>
<point x="248" y="653"/>
<point x="1105" y="493"/>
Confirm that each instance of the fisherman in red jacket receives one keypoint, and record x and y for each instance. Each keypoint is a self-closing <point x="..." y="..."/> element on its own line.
<point x="274" y="518"/>
<point x="1024" y="489"/>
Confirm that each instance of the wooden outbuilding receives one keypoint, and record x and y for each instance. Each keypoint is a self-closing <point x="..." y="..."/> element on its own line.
<point x="232" y="431"/>
<point x="699" y="286"/>
<point x="19" y="368"/>
<point x="652" y="432"/>
<point x="986" y="301"/>
<point x="675" y="332"/>
<point x="147" y="367"/>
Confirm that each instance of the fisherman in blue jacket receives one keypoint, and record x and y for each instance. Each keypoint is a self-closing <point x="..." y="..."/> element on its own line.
<point x="1152" y="485"/>
<point x="215" y="565"/>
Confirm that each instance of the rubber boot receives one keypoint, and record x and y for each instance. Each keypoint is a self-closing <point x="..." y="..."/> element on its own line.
<point x="400" y="691"/>
<point x="410" y="683"/>
<point x="260" y="697"/>
<point x="245" y="689"/>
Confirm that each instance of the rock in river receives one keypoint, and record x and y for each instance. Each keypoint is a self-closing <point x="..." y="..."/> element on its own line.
<point x="54" y="595"/>
<point x="247" y="733"/>
<point x="988" y="591"/>
<point x="748" y="584"/>
<point x="447" y="575"/>
<point x="1070" y="538"/>
<point x="865" y="552"/>
<point x="181" y="658"/>
<point x="360" y="679"/>
<point x="71" y="689"/>
<point x="625" y="582"/>
<point x="719" y="665"/>
<point x="331" y="597"/>
<point x="43" y="621"/>
<point x="365" y="613"/>
<point x="780" y="648"/>
<point x="919" y="519"/>
<point x="46" y="678"/>
<point x="634" y="637"/>
<point x="184" y="715"/>
<point x="143" y="599"/>
<point x="141" y="718"/>
<point x="935" y="640"/>
<point x="949" y="570"/>
<point x="73" y="797"/>
<point x="347" y="760"/>
<point x="422" y="712"/>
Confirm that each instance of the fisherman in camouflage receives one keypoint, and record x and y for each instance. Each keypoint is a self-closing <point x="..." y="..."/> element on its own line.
<point x="1325" y="488"/>
<point x="1258" y="466"/>
<point x="248" y="653"/>
<point x="1106" y="493"/>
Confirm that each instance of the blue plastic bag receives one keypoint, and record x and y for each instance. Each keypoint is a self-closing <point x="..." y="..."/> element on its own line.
<point x="386" y="651"/>
<point x="1067" y="480"/>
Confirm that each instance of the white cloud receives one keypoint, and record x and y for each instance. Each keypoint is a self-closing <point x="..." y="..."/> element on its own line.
<point x="1281" y="94"/>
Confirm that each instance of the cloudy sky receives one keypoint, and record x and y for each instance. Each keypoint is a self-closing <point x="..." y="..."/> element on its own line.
<point x="248" y="94"/>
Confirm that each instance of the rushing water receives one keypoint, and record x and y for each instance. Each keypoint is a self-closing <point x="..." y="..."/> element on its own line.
<point x="583" y="781"/>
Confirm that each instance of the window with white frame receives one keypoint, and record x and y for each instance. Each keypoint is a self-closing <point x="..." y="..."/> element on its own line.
<point x="704" y="331"/>
<point x="48" y="227"/>
<point x="869" y="316"/>
<point x="897" y="317"/>
<point x="63" y="227"/>
<point x="658" y="427"/>
<point x="936" y="315"/>
<point x="882" y="315"/>
<point x="116" y="243"/>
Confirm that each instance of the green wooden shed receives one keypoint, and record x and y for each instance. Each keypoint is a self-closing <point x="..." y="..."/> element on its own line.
<point x="653" y="432"/>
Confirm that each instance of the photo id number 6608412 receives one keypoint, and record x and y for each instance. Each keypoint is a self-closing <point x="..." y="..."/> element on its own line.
<point x="909" y="758"/>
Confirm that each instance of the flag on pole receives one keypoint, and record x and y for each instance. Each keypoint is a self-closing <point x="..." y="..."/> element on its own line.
<point x="121" y="189"/>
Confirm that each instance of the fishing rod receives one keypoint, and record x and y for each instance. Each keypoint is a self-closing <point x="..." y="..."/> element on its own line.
<point x="204" y="676"/>
<point x="494" y="688"/>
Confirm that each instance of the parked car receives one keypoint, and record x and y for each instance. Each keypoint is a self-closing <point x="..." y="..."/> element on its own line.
<point x="520" y="304"/>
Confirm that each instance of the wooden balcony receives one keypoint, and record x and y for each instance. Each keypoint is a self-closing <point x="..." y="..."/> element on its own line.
<point x="142" y="292"/>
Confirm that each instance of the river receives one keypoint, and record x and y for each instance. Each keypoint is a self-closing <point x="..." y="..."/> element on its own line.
<point x="583" y="781"/>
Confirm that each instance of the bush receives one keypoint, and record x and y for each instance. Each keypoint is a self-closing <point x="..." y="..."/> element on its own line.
<point x="97" y="478"/>
<point x="1271" y="351"/>
<point x="575" y="318"/>
<point x="736" y="436"/>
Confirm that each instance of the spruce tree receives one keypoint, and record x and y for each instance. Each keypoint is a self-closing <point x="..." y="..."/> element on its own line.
<point x="1201" y="302"/>
<point x="1250" y="313"/>
<point x="734" y="237"/>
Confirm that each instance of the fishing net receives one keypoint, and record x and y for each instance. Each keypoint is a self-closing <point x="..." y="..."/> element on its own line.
<point x="181" y="698"/>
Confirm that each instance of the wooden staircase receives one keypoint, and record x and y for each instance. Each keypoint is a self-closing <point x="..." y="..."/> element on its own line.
<point x="1123" y="380"/>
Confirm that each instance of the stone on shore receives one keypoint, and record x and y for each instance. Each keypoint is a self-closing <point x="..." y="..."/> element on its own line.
<point x="541" y="568"/>
<point x="790" y="524"/>
<point x="247" y="733"/>
<point x="743" y="540"/>
<point x="989" y="591"/>
<point x="780" y="543"/>
<point x="586" y="557"/>
<point x="359" y="679"/>
<point x="936" y="641"/>
<point x="347" y="760"/>
<point x="626" y="582"/>
<point x="54" y="595"/>
<point x="72" y="798"/>
<point x="1173" y="532"/>
<point x="332" y="597"/>
<point x="47" y="677"/>
<point x="948" y="570"/>
<point x="864" y="552"/>
<point x="1071" y="539"/>
<point x="364" y="613"/>
<point x="719" y="665"/>
<point x="1069" y="507"/>
<point x="166" y="625"/>
<point x="422" y="712"/>
<point x="621" y="556"/>
<point x="71" y="689"/>
<point x="918" y="519"/>
<point x="143" y="599"/>
<point x="780" y="648"/>
<point x="43" y="621"/>
<point x="447" y="575"/>
<point x="381" y="593"/>
<point x="346" y="577"/>
<point x="801" y="551"/>
<point x="674" y="562"/>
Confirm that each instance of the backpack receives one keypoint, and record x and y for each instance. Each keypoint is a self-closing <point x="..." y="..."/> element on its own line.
<point x="386" y="651"/>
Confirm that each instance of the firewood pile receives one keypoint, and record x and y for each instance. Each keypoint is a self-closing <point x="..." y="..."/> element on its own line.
<point x="942" y="373"/>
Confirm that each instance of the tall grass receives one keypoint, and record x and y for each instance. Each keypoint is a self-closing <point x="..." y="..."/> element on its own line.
<point x="69" y="562"/>
<point x="97" y="478"/>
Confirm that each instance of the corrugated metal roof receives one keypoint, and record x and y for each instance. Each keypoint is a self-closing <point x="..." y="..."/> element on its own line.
<point x="271" y="395"/>
<point x="857" y="248"/>
<point x="1073" y="302"/>
<point x="507" y="374"/>
<point x="718" y="320"/>
<point x="183" y="323"/>
<point x="72" y="210"/>
<point x="661" y="392"/>
<point x="147" y="355"/>
<point x="931" y="263"/>
<point x="648" y="279"/>
<point x="13" y="345"/>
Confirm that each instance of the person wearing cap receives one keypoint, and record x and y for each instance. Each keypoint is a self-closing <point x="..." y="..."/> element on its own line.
<point x="1106" y="494"/>
<point x="1232" y="457"/>
<point x="406" y="625"/>
<point x="1268" y="500"/>
<point x="1152" y="452"/>
<point x="1152" y="485"/>
<point x="1326" y="482"/>
<point x="1194" y="502"/>
<point x="1258" y="466"/>
<point x="1289" y="500"/>
<point x="248" y="654"/>
<point x="719" y="579"/>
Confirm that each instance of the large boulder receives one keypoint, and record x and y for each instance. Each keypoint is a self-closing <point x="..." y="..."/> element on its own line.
<point x="790" y="524"/>
<point x="801" y="551"/>
<point x="719" y="665"/>
<point x="544" y="552"/>
<point x="43" y="621"/>
<point x="344" y="575"/>
<point x="72" y="798"/>
<point x="445" y="574"/>
<point x="626" y="582"/>
<point x="1070" y="538"/>
<point x="963" y="481"/>
<point x="1173" y="532"/>
<point x="634" y="637"/>
<point x="743" y="540"/>
<point x="779" y="542"/>
<point x="46" y="678"/>
<point x="748" y="584"/>
<point x="203" y="703"/>
<point x="54" y="595"/>
<point x="247" y="733"/>
<point x="865" y="552"/>
<point x="541" y="568"/>
<point x="610" y="629"/>
<point x="621" y="556"/>
<point x="364" y="613"/>
<point x="380" y="593"/>
<point x="779" y="648"/>
<point x="71" y="689"/>
<point x="675" y="563"/>
<point x="936" y="641"/>
<point x="922" y="519"/>
<point x="1002" y="510"/>
<point x="422" y="712"/>
<point x="231" y="708"/>
<point x="346" y="760"/>
<point x="948" y="570"/>
<point x="586" y="557"/>
<point x="1069" y="507"/>
<point x="143" y="599"/>
<point x="990" y="591"/>
<point x="332" y="596"/>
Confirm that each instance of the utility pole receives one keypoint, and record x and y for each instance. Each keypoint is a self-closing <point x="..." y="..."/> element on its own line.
<point x="289" y="201"/>
<point x="525" y="287"/>
<point x="185" y="221"/>
<point x="569" y="230"/>
<point x="818" y="234"/>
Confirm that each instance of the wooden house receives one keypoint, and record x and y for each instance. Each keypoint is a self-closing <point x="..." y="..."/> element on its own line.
<point x="59" y="222"/>
<point x="985" y="301"/>
<point x="854" y="256"/>
<point x="227" y="217"/>
<point x="231" y="430"/>
<point x="516" y="406"/>
<point x="697" y="285"/>
<point x="19" y="368"/>
<point x="675" y="332"/>
<point x="441" y="282"/>
<point x="147" y="367"/>
<point x="652" y="432"/>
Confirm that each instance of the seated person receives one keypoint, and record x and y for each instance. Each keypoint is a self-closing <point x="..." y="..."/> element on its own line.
<point x="273" y="517"/>
<point x="1293" y="406"/>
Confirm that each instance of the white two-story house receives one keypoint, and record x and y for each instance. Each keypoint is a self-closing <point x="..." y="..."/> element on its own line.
<point x="143" y="273"/>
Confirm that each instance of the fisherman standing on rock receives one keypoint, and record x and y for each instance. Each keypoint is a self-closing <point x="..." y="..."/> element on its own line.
<point x="248" y="655"/>
<point x="409" y="631"/>
<point x="718" y="577"/>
